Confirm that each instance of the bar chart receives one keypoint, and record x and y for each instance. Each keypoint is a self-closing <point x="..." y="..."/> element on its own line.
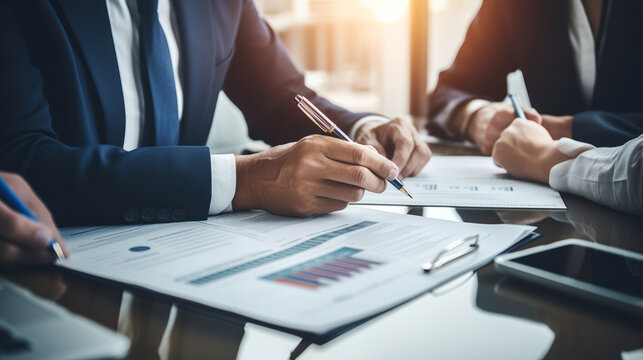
<point x="294" y="250"/>
<point x="325" y="270"/>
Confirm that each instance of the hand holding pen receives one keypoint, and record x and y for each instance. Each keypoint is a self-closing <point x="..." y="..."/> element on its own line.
<point x="326" y="125"/>
<point x="485" y="124"/>
<point x="316" y="175"/>
<point x="25" y="238"/>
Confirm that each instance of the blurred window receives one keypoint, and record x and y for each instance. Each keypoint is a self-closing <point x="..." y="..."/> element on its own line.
<point x="356" y="52"/>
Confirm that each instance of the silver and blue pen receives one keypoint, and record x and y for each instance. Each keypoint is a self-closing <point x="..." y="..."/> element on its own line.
<point x="328" y="126"/>
<point x="517" y="108"/>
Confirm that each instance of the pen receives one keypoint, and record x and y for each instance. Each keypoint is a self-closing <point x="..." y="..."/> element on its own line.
<point x="517" y="108"/>
<point x="9" y="197"/>
<point x="328" y="126"/>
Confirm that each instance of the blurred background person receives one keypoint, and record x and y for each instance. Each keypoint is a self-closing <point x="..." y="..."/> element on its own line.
<point x="582" y="65"/>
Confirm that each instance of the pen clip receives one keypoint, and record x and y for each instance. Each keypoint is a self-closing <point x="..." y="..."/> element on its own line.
<point x="440" y="261"/>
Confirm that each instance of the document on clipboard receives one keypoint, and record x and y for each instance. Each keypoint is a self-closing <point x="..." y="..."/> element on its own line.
<point x="311" y="275"/>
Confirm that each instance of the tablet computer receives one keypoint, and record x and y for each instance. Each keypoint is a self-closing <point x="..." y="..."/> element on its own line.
<point x="594" y="271"/>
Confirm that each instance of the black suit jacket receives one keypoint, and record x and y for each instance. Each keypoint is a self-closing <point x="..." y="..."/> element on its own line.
<point x="533" y="35"/>
<point x="63" y="118"/>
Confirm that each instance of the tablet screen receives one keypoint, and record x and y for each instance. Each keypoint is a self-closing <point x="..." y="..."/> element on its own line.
<point x="604" y="269"/>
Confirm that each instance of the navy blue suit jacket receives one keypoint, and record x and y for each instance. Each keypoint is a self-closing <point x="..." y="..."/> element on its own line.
<point x="533" y="35"/>
<point x="62" y="121"/>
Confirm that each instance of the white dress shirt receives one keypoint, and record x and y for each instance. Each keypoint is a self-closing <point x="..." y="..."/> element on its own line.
<point x="609" y="176"/>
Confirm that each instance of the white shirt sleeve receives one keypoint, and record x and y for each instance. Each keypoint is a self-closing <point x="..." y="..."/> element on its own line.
<point x="609" y="176"/>
<point x="224" y="182"/>
<point x="364" y="120"/>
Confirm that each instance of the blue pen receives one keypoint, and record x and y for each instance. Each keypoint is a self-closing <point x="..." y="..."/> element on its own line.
<point x="328" y="126"/>
<point x="517" y="108"/>
<point x="9" y="197"/>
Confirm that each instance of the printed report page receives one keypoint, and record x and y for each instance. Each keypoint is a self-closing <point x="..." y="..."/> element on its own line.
<point x="312" y="274"/>
<point x="471" y="182"/>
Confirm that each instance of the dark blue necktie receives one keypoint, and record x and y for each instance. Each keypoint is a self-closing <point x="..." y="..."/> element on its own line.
<point x="161" y="110"/>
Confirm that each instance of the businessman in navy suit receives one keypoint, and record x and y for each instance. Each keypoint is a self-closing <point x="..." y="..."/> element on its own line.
<point x="107" y="104"/>
<point x="582" y="62"/>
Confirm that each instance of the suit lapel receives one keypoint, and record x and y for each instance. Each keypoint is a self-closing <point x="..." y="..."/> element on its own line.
<point x="197" y="69"/>
<point x="89" y="23"/>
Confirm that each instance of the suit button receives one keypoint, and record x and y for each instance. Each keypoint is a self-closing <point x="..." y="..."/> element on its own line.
<point x="163" y="215"/>
<point x="131" y="215"/>
<point x="148" y="214"/>
<point x="178" y="214"/>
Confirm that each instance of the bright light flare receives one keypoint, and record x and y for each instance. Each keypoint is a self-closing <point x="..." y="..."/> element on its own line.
<point x="439" y="5"/>
<point x="386" y="10"/>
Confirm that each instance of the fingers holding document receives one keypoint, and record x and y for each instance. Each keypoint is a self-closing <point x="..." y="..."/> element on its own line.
<point x="315" y="175"/>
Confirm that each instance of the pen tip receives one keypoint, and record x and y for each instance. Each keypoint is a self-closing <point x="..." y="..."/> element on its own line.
<point x="403" y="190"/>
<point x="58" y="251"/>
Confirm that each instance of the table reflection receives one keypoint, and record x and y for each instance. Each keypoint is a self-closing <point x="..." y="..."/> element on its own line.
<point x="157" y="327"/>
<point x="161" y="328"/>
<point x="602" y="224"/>
<point x="583" y="330"/>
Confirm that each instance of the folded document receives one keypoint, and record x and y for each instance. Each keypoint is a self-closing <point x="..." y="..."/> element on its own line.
<point x="313" y="275"/>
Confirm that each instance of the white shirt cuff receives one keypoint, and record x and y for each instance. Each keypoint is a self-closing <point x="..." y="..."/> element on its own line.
<point x="224" y="182"/>
<point x="446" y="118"/>
<point x="469" y="109"/>
<point x="573" y="148"/>
<point x="364" y="120"/>
<point x="558" y="176"/>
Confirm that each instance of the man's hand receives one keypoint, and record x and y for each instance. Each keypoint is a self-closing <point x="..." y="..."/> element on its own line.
<point x="23" y="241"/>
<point x="315" y="175"/>
<point x="488" y="122"/>
<point x="558" y="126"/>
<point x="399" y="141"/>
<point x="526" y="150"/>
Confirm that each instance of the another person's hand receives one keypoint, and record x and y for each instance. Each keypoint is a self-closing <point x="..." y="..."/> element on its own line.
<point x="488" y="122"/>
<point x="558" y="126"/>
<point x="526" y="150"/>
<point x="398" y="140"/>
<point x="23" y="241"/>
<point x="316" y="175"/>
